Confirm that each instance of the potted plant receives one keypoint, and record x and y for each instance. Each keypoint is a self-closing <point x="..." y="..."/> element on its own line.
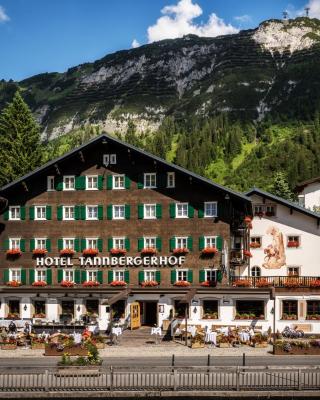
<point x="90" y="284"/>
<point x="247" y="253"/>
<point x="90" y="252"/>
<point x="39" y="252"/>
<point x="209" y="251"/>
<point x="67" y="283"/>
<point x="255" y="245"/>
<point x="149" y="283"/>
<point x="315" y="283"/>
<point x="118" y="283"/>
<point x="292" y="282"/>
<point x="180" y="251"/>
<point x="14" y="283"/>
<point x="14" y="253"/>
<point x="148" y="251"/>
<point x="210" y="315"/>
<point x="39" y="315"/>
<point x="314" y="317"/>
<point x="39" y="283"/>
<point x="8" y="344"/>
<point x="118" y="252"/>
<point x="259" y="341"/>
<point x="67" y="252"/>
<point x="182" y="284"/>
<point x="13" y="315"/>
<point x="38" y="343"/>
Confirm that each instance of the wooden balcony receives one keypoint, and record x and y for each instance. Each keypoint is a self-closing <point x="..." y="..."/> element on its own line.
<point x="288" y="282"/>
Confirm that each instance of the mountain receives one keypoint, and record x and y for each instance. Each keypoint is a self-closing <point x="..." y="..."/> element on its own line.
<point x="269" y="72"/>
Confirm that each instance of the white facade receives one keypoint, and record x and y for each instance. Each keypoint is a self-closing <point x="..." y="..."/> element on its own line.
<point x="309" y="196"/>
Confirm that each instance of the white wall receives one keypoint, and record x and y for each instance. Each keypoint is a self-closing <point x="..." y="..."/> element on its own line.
<point x="311" y="195"/>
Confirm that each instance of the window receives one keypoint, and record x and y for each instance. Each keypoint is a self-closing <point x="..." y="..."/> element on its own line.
<point x="40" y="213"/>
<point x="40" y="275"/>
<point x="15" y="274"/>
<point x="14" y="213"/>
<point x="256" y="271"/>
<point x="182" y="210"/>
<point x="69" y="182"/>
<point x="40" y="243"/>
<point x="210" y="241"/>
<point x="50" y="183"/>
<point x="210" y="209"/>
<point x="68" y="243"/>
<point x="171" y="180"/>
<point x="313" y="307"/>
<point x="210" y="275"/>
<point x="118" y="182"/>
<point x="68" y="275"/>
<point x="293" y="241"/>
<point x="150" y="180"/>
<point x="149" y="276"/>
<point x="92" y="243"/>
<point x="255" y="242"/>
<point x="180" y="309"/>
<point x="210" y="309"/>
<point x="118" y="212"/>
<point x="289" y="309"/>
<point x="270" y="210"/>
<point x="92" y="182"/>
<point x="250" y="308"/>
<point x="119" y="243"/>
<point x="92" y="212"/>
<point x="118" y="275"/>
<point x="293" y="271"/>
<point x="68" y="213"/>
<point x="39" y="308"/>
<point x="301" y="200"/>
<point x="258" y="210"/>
<point x="149" y="211"/>
<point x="14" y="244"/>
<point x="150" y="242"/>
<point x="181" y="243"/>
<point x="92" y="276"/>
<point x="182" y="275"/>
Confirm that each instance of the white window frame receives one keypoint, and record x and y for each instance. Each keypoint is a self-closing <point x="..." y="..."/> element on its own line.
<point x="254" y="237"/>
<point x="50" y="183"/>
<point x="182" y="271"/>
<point x="181" y="238"/>
<point x="36" y="243"/>
<point x="36" y="213"/>
<point x="11" y="243"/>
<point x="88" y="240"/>
<point x="183" y="205"/>
<point x="120" y="238"/>
<point x="149" y="238"/>
<point x="171" y="180"/>
<point x="114" y="208"/>
<point x="210" y="274"/>
<point x="296" y="267"/>
<point x="91" y="272"/>
<point x="11" y="274"/>
<point x="121" y="275"/>
<point x="68" y="271"/>
<point x="118" y="176"/>
<point x="206" y="203"/>
<point x="210" y="239"/>
<point x="87" y="182"/>
<point x="11" y="208"/>
<point x="64" y="240"/>
<point x="145" y="211"/>
<point x="293" y="236"/>
<point x="38" y="273"/>
<point x="253" y="274"/>
<point x="150" y="176"/>
<point x="64" y="213"/>
<point x="87" y="213"/>
<point x="149" y="278"/>
<point x="65" y="177"/>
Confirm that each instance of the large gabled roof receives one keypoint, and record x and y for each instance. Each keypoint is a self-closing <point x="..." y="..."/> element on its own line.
<point x="284" y="202"/>
<point x="105" y="136"/>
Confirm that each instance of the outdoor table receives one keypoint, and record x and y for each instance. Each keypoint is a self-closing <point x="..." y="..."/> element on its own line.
<point x="211" y="337"/>
<point x="116" y="332"/>
<point x="156" y="331"/>
<point x="244" y="336"/>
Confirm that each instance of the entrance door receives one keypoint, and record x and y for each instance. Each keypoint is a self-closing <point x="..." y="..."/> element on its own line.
<point x="150" y="314"/>
<point x="67" y="311"/>
<point x="135" y="316"/>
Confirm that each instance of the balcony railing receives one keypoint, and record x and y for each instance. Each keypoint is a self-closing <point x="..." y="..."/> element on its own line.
<point x="236" y="257"/>
<point x="289" y="282"/>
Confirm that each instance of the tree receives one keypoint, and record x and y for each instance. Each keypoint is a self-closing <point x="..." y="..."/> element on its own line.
<point x="20" y="147"/>
<point x="280" y="187"/>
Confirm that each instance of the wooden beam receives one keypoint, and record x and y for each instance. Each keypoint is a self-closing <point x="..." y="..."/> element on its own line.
<point x="57" y="169"/>
<point x="81" y="156"/>
<point x="25" y="186"/>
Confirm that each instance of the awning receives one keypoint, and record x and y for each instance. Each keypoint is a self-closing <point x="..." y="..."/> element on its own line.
<point x="188" y="296"/>
<point x="116" y="297"/>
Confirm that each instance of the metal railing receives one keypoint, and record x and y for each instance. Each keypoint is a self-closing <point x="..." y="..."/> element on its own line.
<point x="164" y="379"/>
<point x="275" y="281"/>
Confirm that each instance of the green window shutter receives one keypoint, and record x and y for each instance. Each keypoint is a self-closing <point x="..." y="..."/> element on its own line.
<point x="6" y="275"/>
<point x="158" y="211"/>
<point x="100" y="212"/>
<point x="140" y="181"/>
<point x="201" y="211"/>
<point x="83" y="244"/>
<point x="80" y="182"/>
<point x="60" y="275"/>
<point x="219" y="243"/>
<point x="201" y="243"/>
<point x="127" y="182"/>
<point x="172" y="210"/>
<point x="48" y="245"/>
<point x="172" y="243"/>
<point x="126" y="276"/>
<point x="6" y="244"/>
<point x="23" y="276"/>
<point x="32" y="244"/>
<point x="190" y="275"/>
<point x="100" y="182"/>
<point x="59" y="213"/>
<point x="83" y="213"/>
<point x="140" y="211"/>
<point x="127" y="244"/>
<point x="127" y="211"/>
<point x="109" y="211"/>
<point x="202" y="276"/>
<point x="77" y="278"/>
<point x="173" y="276"/>
<point x="77" y="245"/>
<point x="60" y="244"/>
<point x="109" y="182"/>
<point x="190" y="211"/>
<point x="100" y="277"/>
<point x="48" y="213"/>
<point x="22" y="213"/>
<point x="110" y="244"/>
<point x="76" y="213"/>
<point x="158" y="276"/>
<point x="23" y="245"/>
<point x="31" y="276"/>
<point x="110" y="276"/>
<point x="31" y="213"/>
<point x="190" y="243"/>
<point x="159" y="243"/>
<point x="58" y="181"/>
<point x="140" y="244"/>
<point x="6" y="215"/>
<point x="83" y="275"/>
<point x="141" y="276"/>
<point x="100" y="245"/>
<point x="49" y="276"/>
<point x="219" y="276"/>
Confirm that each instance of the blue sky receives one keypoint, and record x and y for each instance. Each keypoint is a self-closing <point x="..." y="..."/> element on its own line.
<point x="52" y="35"/>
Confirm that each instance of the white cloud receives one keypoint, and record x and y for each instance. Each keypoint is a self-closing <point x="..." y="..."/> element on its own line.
<point x="314" y="10"/>
<point x="314" y="6"/>
<point x="243" y="18"/>
<point x="135" y="44"/>
<point x="178" y="20"/>
<point x="3" y="15"/>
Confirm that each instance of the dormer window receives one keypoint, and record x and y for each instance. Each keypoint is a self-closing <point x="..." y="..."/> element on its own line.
<point x="69" y="182"/>
<point x="171" y="180"/>
<point x="50" y="183"/>
<point x="293" y="241"/>
<point x="150" y="180"/>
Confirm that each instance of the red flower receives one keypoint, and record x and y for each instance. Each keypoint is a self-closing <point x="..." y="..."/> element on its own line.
<point x="292" y="282"/>
<point x="149" y="251"/>
<point x="315" y="283"/>
<point x="39" y="252"/>
<point x="263" y="282"/>
<point x="67" y="252"/>
<point x="248" y="219"/>
<point x="247" y="253"/>
<point x="182" y="250"/>
<point x="90" y="283"/>
<point x="209" y="283"/>
<point x="209" y="251"/>
<point x="255" y="245"/>
<point x="14" y="252"/>
<point x="242" y="283"/>
<point x="67" y="283"/>
<point x="14" y="283"/>
<point x="293" y="243"/>
<point x="118" y="283"/>
<point x="39" y="283"/>
<point x="118" y="252"/>
<point x="149" y="283"/>
<point x="182" y="283"/>
<point x="90" y="252"/>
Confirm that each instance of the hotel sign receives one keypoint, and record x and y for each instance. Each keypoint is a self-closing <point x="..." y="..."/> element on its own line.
<point x="154" y="261"/>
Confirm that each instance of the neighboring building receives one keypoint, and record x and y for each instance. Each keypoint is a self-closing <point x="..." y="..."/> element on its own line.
<point x="142" y="227"/>
<point x="285" y="248"/>
<point x="309" y="194"/>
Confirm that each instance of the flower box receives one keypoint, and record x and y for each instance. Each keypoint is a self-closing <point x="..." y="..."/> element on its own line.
<point x="263" y="282"/>
<point x="293" y="243"/>
<point x="209" y="284"/>
<point x="292" y="283"/>
<point x="149" y="251"/>
<point x="313" y="317"/>
<point x="56" y="350"/>
<point x="149" y="283"/>
<point x="118" y="252"/>
<point x="67" y="284"/>
<point x="67" y="252"/>
<point x="14" y="253"/>
<point x="118" y="283"/>
<point x="13" y="316"/>
<point x="315" y="283"/>
<point x="40" y="315"/>
<point x="8" y="346"/>
<point x="242" y="283"/>
<point x="255" y="245"/>
<point x="39" y="252"/>
<point x="39" y="283"/>
<point x="182" y="284"/>
<point x="247" y="253"/>
<point x="90" y="252"/>
<point x="180" y="251"/>
<point x="289" y="317"/>
<point x="210" y="316"/>
<point x="14" y="283"/>
<point x="90" y="284"/>
<point x="209" y="251"/>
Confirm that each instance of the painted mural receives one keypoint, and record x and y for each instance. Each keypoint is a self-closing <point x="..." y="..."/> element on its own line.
<point x="275" y="256"/>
